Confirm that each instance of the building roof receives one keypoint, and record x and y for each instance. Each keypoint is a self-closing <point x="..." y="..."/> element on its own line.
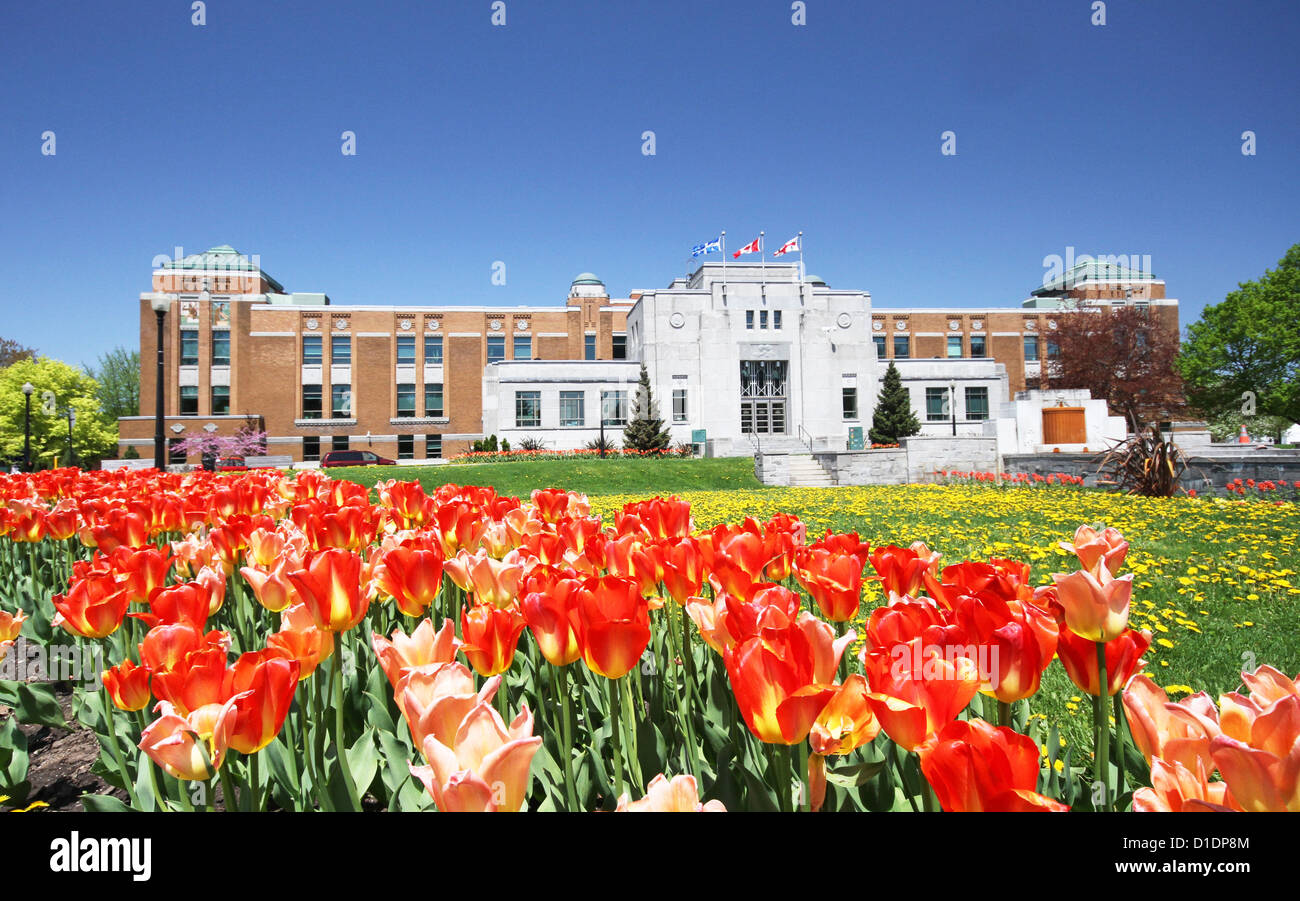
<point x="1093" y="270"/>
<point x="223" y="257"/>
<point x="587" y="278"/>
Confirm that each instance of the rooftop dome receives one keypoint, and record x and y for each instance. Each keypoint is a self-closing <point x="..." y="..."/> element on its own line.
<point x="815" y="280"/>
<point x="587" y="278"/>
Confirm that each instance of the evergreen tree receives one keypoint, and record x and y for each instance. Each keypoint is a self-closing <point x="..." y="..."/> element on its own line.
<point x="645" y="431"/>
<point x="893" y="417"/>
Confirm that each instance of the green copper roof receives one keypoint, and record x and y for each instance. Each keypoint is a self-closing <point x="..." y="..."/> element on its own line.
<point x="587" y="278"/>
<point x="815" y="280"/>
<point x="221" y="257"/>
<point x="1093" y="270"/>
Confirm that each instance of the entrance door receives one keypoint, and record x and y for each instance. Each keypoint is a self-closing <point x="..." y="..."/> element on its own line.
<point x="1064" y="425"/>
<point x="763" y="396"/>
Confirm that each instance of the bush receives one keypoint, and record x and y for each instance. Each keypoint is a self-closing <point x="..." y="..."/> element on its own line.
<point x="131" y="453"/>
<point x="685" y="449"/>
<point x="605" y="445"/>
<point x="531" y="443"/>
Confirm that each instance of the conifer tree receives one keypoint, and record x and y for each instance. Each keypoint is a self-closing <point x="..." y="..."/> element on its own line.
<point x="645" y="431"/>
<point x="893" y="417"/>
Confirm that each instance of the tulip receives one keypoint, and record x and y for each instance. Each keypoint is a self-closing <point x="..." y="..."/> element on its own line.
<point x="1096" y="607"/>
<point x="1261" y="780"/>
<point x="299" y="639"/>
<point x="1016" y="639"/>
<point x="140" y="570"/>
<point x="11" y="625"/>
<point x="186" y="603"/>
<point x="410" y="576"/>
<point x="491" y="581"/>
<point x="423" y="647"/>
<point x="273" y="590"/>
<point x="487" y="768"/>
<point x="781" y="683"/>
<point x="1123" y="659"/>
<point x="1098" y="549"/>
<point x="263" y="683"/>
<point x="167" y="644"/>
<point x="916" y="691"/>
<point x="195" y="682"/>
<point x="975" y="766"/>
<point x="681" y="795"/>
<point x="435" y="700"/>
<point x="1177" y="789"/>
<point x="1177" y="733"/>
<point x="93" y="608"/>
<point x="846" y="722"/>
<point x="173" y="741"/>
<point x="551" y="615"/>
<point x="330" y="587"/>
<point x="612" y="625"/>
<point x="127" y="686"/>
<point x="491" y="636"/>
<point x="833" y="580"/>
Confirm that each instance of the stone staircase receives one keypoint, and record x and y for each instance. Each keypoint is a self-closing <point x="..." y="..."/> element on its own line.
<point x="806" y="471"/>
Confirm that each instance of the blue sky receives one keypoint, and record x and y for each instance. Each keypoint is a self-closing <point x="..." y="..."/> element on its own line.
<point x="523" y="144"/>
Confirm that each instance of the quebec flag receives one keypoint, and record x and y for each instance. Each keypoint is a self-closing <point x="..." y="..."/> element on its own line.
<point x="714" y="246"/>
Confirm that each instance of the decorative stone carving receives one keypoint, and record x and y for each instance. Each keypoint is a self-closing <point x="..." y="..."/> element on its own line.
<point x="404" y="325"/>
<point x="495" y="325"/>
<point x="521" y="325"/>
<point x="313" y="324"/>
<point x="878" y="325"/>
<point x="677" y="320"/>
<point x="844" y="320"/>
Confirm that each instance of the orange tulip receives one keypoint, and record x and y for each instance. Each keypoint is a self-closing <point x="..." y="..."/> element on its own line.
<point x="299" y="639"/>
<point x="1262" y="780"/>
<point x="94" y="607"/>
<point x="410" y="576"/>
<point x="1177" y="733"/>
<point x="1096" y="607"/>
<point x="172" y="741"/>
<point x="846" y="722"/>
<point x="487" y="769"/>
<point x="196" y="681"/>
<point x="423" y="647"/>
<point x="613" y="625"/>
<point x="491" y="636"/>
<point x="330" y="586"/>
<point x="11" y="625"/>
<point x="903" y="571"/>
<point x="834" y="581"/>
<point x="1097" y="549"/>
<point x="683" y="569"/>
<point x="262" y="684"/>
<point x="490" y="581"/>
<point x="780" y="684"/>
<point x="550" y="615"/>
<point x="1016" y="642"/>
<point x="916" y="690"/>
<point x="273" y="590"/>
<point x="186" y="603"/>
<point x="140" y="570"/>
<point x="1123" y="659"/>
<point x="1177" y="789"/>
<point x="974" y="766"/>
<point x="681" y="795"/>
<point x="167" y="644"/>
<point x="127" y="686"/>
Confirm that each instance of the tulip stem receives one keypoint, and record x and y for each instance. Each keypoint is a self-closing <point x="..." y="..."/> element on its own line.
<point x="1120" y="750"/>
<point x="805" y="785"/>
<point x="630" y="718"/>
<point x="117" y="755"/>
<point x="159" y="798"/>
<point x="566" y="729"/>
<point x="228" y="801"/>
<point x="1004" y="714"/>
<point x="340" y="748"/>
<point x="1101" y="723"/>
<point x="618" y="752"/>
<point x="780" y="757"/>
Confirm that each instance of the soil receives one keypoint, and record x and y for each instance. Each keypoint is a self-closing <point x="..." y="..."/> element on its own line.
<point x="60" y="762"/>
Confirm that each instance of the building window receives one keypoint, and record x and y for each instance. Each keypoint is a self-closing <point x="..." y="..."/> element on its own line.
<point x="620" y="347"/>
<point x="433" y="349"/>
<point x="1031" y="348"/>
<point x="776" y="319"/>
<point x="311" y="448"/>
<point x="749" y="319"/>
<point x="341" y="402"/>
<point x="523" y="347"/>
<point x="221" y="348"/>
<point x="220" y="400"/>
<point x="762" y="319"/>
<point x="405" y="350"/>
<point x="954" y="345"/>
<point x="679" y="405"/>
<point x="978" y="345"/>
<point x="311" y="402"/>
<point x="613" y="407"/>
<point x="902" y="344"/>
<point x="880" y="346"/>
<point x="433" y="399"/>
<point x="339" y="443"/>
<point x="496" y="345"/>
<point x="589" y="347"/>
<point x="977" y="402"/>
<point x="1053" y="350"/>
<point x="528" y="409"/>
<point x="189" y="347"/>
<point x="936" y="405"/>
<point x="174" y="456"/>
<point x="341" y="350"/>
<point x="850" y="402"/>
<point x="432" y="446"/>
<point x="311" y="350"/>
<point x="189" y="400"/>
<point x="405" y="401"/>
<point x="406" y="447"/>
<point x="573" y="408"/>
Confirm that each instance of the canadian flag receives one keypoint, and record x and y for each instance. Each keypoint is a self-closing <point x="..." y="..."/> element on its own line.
<point x="751" y="247"/>
<point x="792" y="244"/>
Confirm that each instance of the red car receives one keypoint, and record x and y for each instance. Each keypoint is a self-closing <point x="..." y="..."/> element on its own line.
<point x="354" y="458"/>
<point x="230" y="464"/>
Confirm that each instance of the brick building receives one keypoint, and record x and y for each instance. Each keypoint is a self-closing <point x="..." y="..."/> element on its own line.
<point x="418" y="382"/>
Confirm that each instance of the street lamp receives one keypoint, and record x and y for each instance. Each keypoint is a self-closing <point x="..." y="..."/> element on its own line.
<point x="952" y="402"/>
<point x="160" y="303"/>
<point x="72" y="420"/>
<point x="28" y="390"/>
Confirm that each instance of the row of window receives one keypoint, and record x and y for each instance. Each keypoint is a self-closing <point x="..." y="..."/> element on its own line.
<point x="762" y="319"/>
<point x="978" y="347"/>
<point x="341" y="401"/>
<point x="190" y="348"/>
<point x="936" y="403"/>
<point x="190" y="400"/>
<point x="341" y="349"/>
<point x="311" y="447"/>
<point x="573" y="408"/>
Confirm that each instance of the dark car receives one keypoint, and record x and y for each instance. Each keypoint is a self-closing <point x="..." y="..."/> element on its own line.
<point x="230" y="464"/>
<point x="354" y="458"/>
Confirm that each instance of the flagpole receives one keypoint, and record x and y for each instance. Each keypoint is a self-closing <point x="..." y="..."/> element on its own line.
<point x="802" y="273"/>
<point x="724" y="258"/>
<point x="761" y="258"/>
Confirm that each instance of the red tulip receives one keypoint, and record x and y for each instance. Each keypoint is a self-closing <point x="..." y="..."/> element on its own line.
<point x="262" y="684"/>
<point x="491" y="636"/>
<point x="94" y="607"/>
<point x="410" y="576"/>
<point x="974" y="766"/>
<point x="916" y="690"/>
<point x="834" y="581"/>
<point x="613" y="625"/>
<point x="551" y="615"/>
<point x="1123" y="659"/>
<point x="127" y="686"/>
<point x="330" y="586"/>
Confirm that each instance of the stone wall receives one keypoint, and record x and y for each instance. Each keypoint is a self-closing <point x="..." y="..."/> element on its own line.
<point x="1205" y="470"/>
<point x="916" y="461"/>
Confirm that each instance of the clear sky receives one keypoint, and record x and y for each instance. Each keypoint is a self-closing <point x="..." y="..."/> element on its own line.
<point x="477" y="143"/>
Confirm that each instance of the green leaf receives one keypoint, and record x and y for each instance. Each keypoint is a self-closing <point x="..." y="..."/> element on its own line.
<point x="34" y="703"/>
<point x="363" y="760"/>
<point x="856" y="775"/>
<point x="143" y="784"/>
<point x="103" y="804"/>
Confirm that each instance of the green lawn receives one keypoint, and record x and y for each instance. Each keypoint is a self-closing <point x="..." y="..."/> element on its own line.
<point x="621" y="475"/>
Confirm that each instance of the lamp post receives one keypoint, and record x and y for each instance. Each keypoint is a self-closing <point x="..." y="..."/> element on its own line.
<point x="160" y="304"/>
<point x="28" y="389"/>
<point x="952" y="402"/>
<point x="72" y="419"/>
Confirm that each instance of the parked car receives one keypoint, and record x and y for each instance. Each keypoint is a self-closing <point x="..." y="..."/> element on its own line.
<point x="230" y="464"/>
<point x="354" y="458"/>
